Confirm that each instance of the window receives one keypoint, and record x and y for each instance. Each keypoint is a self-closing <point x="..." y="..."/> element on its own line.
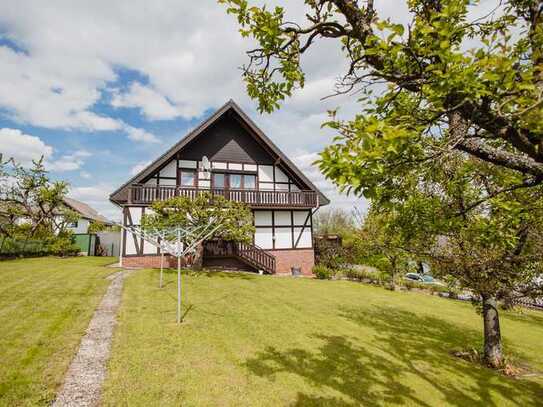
<point x="219" y="180"/>
<point x="188" y="178"/>
<point x="72" y="224"/>
<point x="249" y="182"/>
<point x="235" y="181"/>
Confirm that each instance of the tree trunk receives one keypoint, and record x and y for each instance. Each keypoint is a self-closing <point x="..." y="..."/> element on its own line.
<point x="492" y="342"/>
<point x="198" y="261"/>
<point x="393" y="274"/>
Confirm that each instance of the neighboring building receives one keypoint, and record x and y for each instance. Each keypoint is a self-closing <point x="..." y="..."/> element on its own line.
<point x="244" y="166"/>
<point x="87" y="216"/>
<point x="91" y="244"/>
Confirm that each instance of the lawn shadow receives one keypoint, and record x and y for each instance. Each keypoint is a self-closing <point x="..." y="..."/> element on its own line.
<point x="364" y="378"/>
<point x="417" y="340"/>
<point x="405" y="345"/>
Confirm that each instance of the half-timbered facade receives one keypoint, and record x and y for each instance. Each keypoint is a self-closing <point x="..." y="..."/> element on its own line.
<point x="229" y="155"/>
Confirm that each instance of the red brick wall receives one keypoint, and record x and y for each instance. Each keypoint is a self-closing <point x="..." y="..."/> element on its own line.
<point x="285" y="259"/>
<point x="150" y="261"/>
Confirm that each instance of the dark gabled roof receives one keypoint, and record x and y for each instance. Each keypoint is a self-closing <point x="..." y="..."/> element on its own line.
<point x="85" y="211"/>
<point x="230" y="105"/>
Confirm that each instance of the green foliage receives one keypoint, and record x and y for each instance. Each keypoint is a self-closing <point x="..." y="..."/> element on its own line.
<point x="381" y="244"/>
<point x="450" y="152"/>
<point x="63" y="245"/>
<point x="97" y="227"/>
<point x="235" y="218"/>
<point x="31" y="205"/>
<point x="10" y="247"/>
<point x="331" y="255"/>
<point x="442" y="66"/>
<point x="33" y="216"/>
<point x="322" y="272"/>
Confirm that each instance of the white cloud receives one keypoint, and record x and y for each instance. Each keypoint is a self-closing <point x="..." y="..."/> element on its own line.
<point x="85" y="175"/>
<point x="22" y="147"/>
<point x="153" y="105"/>
<point x="140" y="135"/>
<point x="68" y="162"/>
<point x="139" y="167"/>
<point x="188" y="54"/>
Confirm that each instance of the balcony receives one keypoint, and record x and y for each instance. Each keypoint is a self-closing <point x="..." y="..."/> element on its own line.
<point x="146" y="194"/>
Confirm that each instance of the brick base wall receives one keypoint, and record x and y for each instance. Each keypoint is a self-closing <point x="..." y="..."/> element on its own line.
<point x="152" y="262"/>
<point x="285" y="259"/>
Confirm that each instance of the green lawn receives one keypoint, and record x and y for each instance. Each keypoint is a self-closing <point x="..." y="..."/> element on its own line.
<point x="252" y="340"/>
<point x="45" y="307"/>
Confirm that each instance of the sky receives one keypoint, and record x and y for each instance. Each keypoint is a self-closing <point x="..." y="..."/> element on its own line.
<point x="102" y="88"/>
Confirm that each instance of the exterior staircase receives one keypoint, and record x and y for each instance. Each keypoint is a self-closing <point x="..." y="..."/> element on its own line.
<point x="248" y="253"/>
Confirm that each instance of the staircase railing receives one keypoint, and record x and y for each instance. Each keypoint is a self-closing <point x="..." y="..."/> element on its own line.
<point x="249" y="253"/>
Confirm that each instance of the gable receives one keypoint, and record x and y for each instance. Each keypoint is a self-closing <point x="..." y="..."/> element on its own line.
<point x="226" y="140"/>
<point x="228" y="137"/>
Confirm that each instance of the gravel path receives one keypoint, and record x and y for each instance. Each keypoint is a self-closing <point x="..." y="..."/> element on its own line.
<point x="83" y="382"/>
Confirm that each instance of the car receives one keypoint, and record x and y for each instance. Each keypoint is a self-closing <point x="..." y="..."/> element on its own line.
<point x="414" y="277"/>
<point x="428" y="279"/>
<point x="423" y="279"/>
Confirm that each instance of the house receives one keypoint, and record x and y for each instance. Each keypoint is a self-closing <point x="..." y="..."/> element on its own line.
<point x="87" y="215"/>
<point x="244" y="165"/>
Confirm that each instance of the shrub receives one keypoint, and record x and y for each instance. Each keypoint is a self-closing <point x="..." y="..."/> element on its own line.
<point x="358" y="275"/>
<point x="413" y="284"/>
<point x="24" y="248"/>
<point x="63" y="245"/>
<point x="322" y="272"/>
<point x="373" y="277"/>
<point x="330" y="255"/>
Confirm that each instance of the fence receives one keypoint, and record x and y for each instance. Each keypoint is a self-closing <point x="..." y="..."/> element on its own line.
<point x="86" y="243"/>
<point x="109" y="244"/>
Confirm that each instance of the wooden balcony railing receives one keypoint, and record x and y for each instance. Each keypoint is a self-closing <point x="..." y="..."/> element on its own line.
<point x="145" y="194"/>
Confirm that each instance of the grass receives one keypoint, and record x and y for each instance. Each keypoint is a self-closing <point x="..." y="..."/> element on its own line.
<point x="256" y="340"/>
<point x="45" y="306"/>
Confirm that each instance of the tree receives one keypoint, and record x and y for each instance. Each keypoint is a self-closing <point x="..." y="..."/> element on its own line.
<point x="31" y="205"/>
<point x="235" y="218"/>
<point x="380" y="243"/>
<point x="453" y="83"/>
<point x="493" y="249"/>
<point x="333" y="221"/>
<point x="458" y="90"/>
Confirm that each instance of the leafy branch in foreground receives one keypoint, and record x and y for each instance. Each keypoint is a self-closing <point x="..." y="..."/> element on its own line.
<point x="442" y="69"/>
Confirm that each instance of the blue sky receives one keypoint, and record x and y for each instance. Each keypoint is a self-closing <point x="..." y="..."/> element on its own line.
<point x="102" y="88"/>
